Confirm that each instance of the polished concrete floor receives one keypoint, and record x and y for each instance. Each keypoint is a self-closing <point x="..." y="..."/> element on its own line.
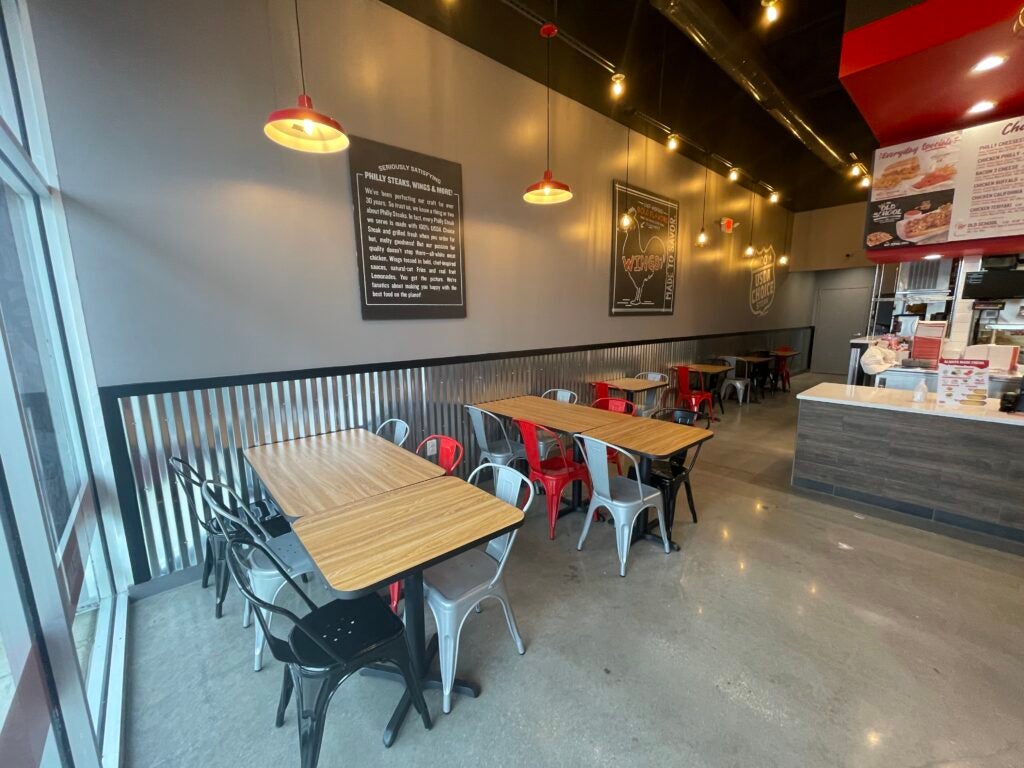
<point x="788" y="632"/>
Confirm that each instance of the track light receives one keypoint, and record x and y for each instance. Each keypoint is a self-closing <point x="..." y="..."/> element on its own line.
<point x="771" y="10"/>
<point x="702" y="238"/>
<point x="749" y="251"/>
<point x="734" y="174"/>
<point x="855" y="170"/>
<point x="674" y="141"/>
<point x="618" y="85"/>
<point x="783" y="259"/>
<point x="773" y="198"/>
<point x="865" y="182"/>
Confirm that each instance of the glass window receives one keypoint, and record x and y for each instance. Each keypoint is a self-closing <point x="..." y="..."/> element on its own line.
<point x="10" y="107"/>
<point x="38" y="364"/>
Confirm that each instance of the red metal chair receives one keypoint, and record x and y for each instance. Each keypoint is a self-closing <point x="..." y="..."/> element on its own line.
<point x="615" y="405"/>
<point x="691" y="398"/>
<point x="555" y="473"/>
<point x="601" y="390"/>
<point x="447" y="450"/>
<point x="782" y="367"/>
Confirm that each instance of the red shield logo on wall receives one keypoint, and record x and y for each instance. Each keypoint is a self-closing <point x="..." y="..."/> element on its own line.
<point x="762" y="281"/>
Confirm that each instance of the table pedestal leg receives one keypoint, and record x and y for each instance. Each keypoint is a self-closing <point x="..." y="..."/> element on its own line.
<point x="642" y="527"/>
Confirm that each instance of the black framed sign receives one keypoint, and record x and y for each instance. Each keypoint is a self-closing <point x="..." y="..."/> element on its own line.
<point x="643" y="267"/>
<point x="409" y="247"/>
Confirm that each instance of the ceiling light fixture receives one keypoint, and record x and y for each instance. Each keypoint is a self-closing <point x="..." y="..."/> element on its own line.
<point x="773" y="198"/>
<point x="771" y="10"/>
<point x="702" y="236"/>
<point x="855" y="170"/>
<point x="990" y="62"/>
<point x="626" y="220"/>
<point x="750" y="243"/>
<point x="548" y="191"/>
<point x="783" y="259"/>
<point x="618" y="85"/>
<point x="734" y="174"/>
<point x="301" y="127"/>
<point x="674" y="140"/>
<point x="933" y="256"/>
<point x="865" y="182"/>
<point x="982" y="106"/>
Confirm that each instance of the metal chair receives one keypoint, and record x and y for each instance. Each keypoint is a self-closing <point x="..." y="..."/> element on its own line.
<point x="446" y="451"/>
<point x="650" y="403"/>
<point x="733" y="380"/>
<point x="495" y="445"/>
<point x="673" y="473"/>
<point x="190" y="482"/>
<point x="625" y="498"/>
<point x="455" y="587"/>
<point x="615" y="405"/>
<point x="286" y="553"/>
<point x="555" y="473"/>
<point x="399" y="431"/>
<point x="324" y="647"/>
<point x="561" y="395"/>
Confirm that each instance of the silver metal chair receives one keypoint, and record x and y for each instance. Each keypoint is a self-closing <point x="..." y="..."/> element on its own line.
<point x="624" y="497"/>
<point x="496" y="447"/>
<point x="561" y="395"/>
<point x="290" y="556"/>
<point x="455" y="587"/>
<point x="399" y="431"/>
<point x="739" y="384"/>
<point x="650" y="403"/>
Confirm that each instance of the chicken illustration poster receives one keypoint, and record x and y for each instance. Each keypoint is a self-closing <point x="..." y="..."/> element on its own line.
<point x="644" y="238"/>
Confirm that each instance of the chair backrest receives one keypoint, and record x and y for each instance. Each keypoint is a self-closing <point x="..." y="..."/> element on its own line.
<point x="190" y="482"/>
<point x="601" y="390"/>
<point x="236" y="520"/>
<point x="597" y="453"/>
<point x="677" y="415"/>
<point x="615" y="405"/>
<point x="395" y="430"/>
<point x="653" y="376"/>
<point x="561" y="395"/>
<point x="529" y="431"/>
<point x="683" y="380"/>
<point x="508" y="486"/>
<point x="489" y="430"/>
<point x="447" y="451"/>
<point x="669" y="395"/>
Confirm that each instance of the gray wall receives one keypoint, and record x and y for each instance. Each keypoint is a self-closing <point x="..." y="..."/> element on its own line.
<point x="203" y="249"/>
<point x="830" y="238"/>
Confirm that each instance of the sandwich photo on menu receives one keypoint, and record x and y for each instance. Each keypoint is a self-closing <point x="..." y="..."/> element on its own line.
<point x="894" y="174"/>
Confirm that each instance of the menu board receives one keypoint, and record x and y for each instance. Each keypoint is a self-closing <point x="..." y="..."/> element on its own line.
<point x="961" y="185"/>
<point x="409" y="246"/>
<point x="643" y="266"/>
<point x="962" y="382"/>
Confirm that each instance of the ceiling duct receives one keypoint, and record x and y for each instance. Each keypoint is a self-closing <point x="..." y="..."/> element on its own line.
<point x="715" y="31"/>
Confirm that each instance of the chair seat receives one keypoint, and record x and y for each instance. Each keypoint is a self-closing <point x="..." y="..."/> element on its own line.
<point x="504" y="452"/>
<point x="289" y="550"/>
<point x="624" y="491"/>
<point x="453" y="579"/>
<point x="276" y="526"/>
<point x="349" y="627"/>
<point x="555" y="465"/>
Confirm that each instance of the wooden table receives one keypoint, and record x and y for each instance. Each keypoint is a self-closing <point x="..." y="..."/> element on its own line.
<point x="632" y="386"/>
<point x="366" y="544"/>
<point x="561" y="417"/>
<point x="712" y="369"/>
<point x="784" y="353"/>
<point x="651" y="439"/>
<point x="309" y="475"/>
<point x="755" y="361"/>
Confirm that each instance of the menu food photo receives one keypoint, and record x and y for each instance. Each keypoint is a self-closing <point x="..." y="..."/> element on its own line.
<point x="960" y="185"/>
<point x="963" y="382"/>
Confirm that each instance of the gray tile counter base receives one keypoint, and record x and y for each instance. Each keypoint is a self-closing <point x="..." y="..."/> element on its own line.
<point x="962" y="474"/>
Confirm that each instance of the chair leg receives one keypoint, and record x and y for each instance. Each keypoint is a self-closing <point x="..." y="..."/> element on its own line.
<point x="586" y="523"/>
<point x="246" y="614"/>
<point x="312" y="694"/>
<point x="661" y="525"/>
<point x="554" y="501"/>
<point x="513" y="628"/>
<point x="207" y="562"/>
<point x="395" y="594"/>
<point x="266" y="589"/>
<point x="221" y="580"/>
<point x="623" y="534"/>
<point x="449" y="627"/>
<point x="287" y="684"/>
<point x="689" y="498"/>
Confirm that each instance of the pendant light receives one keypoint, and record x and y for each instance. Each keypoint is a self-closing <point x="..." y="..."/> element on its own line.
<point x="301" y="127"/>
<point x="749" y="252"/>
<point x="702" y="237"/>
<point x="627" y="221"/>
<point x="548" y="190"/>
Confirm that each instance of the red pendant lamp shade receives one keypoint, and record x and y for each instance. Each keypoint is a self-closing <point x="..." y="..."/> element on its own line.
<point x="304" y="129"/>
<point x="548" y="190"/>
<point x="301" y="127"/>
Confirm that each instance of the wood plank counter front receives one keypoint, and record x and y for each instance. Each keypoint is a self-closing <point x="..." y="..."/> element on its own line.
<point x="651" y="437"/>
<point x="562" y="417"/>
<point x="369" y="543"/>
<point x="311" y="474"/>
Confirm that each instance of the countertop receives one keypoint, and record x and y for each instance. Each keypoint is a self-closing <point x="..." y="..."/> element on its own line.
<point x="902" y="400"/>
<point x="993" y="373"/>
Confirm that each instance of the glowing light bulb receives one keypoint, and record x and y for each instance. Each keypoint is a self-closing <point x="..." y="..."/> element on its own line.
<point x="547" y="189"/>
<point x="982" y="106"/>
<point x="626" y="221"/>
<point x="855" y="170"/>
<point x="749" y="251"/>
<point x="702" y="238"/>
<point x="734" y="174"/>
<point x="307" y="126"/>
<point x="993" y="61"/>
<point x="783" y="259"/>
<point x="673" y="141"/>
<point x="618" y="85"/>
<point x="771" y="10"/>
<point x="773" y="198"/>
<point x="865" y="182"/>
<point x="932" y="256"/>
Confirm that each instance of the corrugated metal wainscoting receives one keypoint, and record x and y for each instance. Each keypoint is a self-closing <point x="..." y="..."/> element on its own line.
<point x="210" y="426"/>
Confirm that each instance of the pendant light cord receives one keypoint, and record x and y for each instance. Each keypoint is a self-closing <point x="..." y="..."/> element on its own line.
<point x="751" y="219"/>
<point x="548" y="79"/>
<point x="627" y="160"/>
<point x="704" y="208"/>
<point x="298" y="36"/>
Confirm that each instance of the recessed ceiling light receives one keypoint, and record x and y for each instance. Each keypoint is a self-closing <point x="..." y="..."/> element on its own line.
<point x="932" y="256"/>
<point x="991" y="62"/>
<point x="981" y="106"/>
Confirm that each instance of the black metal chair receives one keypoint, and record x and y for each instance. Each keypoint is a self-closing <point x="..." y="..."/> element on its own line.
<point x="325" y="647"/>
<point x="672" y="474"/>
<point x="191" y="484"/>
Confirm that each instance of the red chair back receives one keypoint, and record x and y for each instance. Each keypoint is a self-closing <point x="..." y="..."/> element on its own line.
<point x="529" y="431"/>
<point x="615" y="405"/>
<point x="601" y="390"/>
<point x="683" y="380"/>
<point x="448" y="451"/>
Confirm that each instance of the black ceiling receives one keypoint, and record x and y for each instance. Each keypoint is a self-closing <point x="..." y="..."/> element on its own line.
<point x="669" y="78"/>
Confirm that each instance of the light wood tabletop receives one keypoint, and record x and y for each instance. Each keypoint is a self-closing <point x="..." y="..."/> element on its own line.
<point x="754" y="359"/>
<point x="627" y="384"/>
<point x="651" y="437"/>
<point x="709" y="368"/>
<point x="561" y="417"/>
<point x="311" y="474"/>
<point x="784" y="353"/>
<point x="371" y="542"/>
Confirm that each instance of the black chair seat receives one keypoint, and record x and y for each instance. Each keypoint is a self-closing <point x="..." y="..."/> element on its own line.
<point x="276" y="526"/>
<point x="350" y="628"/>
